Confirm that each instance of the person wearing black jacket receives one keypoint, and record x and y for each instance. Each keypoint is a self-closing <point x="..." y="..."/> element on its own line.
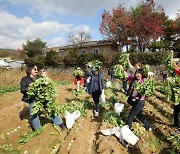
<point x="31" y="76"/>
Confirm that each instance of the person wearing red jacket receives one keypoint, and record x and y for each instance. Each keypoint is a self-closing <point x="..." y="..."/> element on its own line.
<point x="79" y="80"/>
<point x="176" y="69"/>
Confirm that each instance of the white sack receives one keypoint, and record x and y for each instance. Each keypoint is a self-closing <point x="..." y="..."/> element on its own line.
<point x="71" y="118"/>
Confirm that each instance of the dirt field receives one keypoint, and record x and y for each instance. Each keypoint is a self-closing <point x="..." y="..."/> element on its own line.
<point x="85" y="136"/>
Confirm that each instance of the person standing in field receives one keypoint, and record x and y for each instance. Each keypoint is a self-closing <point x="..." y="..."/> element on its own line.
<point x="31" y="76"/>
<point x="110" y="73"/>
<point x="130" y="72"/>
<point x="79" y="80"/>
<point x="137" y="101"/>
<point x="96" y="88"/>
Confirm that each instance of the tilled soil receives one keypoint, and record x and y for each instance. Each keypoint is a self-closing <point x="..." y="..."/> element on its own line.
<point x="85" y="136"/>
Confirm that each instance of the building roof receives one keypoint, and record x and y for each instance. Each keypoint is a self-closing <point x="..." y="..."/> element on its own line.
<point x="84" y="45"/>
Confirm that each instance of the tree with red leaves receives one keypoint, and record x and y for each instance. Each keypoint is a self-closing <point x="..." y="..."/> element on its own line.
<point x="117" y="27"/>
<point x="148" y="24"/>
<point x="138" y="27"/>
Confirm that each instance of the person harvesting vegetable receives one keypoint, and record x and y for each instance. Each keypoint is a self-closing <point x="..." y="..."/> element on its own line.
<point x="130" y="72"/>
<point x="78" y="80"/>
<point x="136" y="100"/>
<point x="30" y="78"/>
<point x="96" y="88"/>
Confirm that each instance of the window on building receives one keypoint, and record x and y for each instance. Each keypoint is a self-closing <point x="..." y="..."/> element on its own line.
<point x="96" y="51"/>
<point x="61" y="52"/>
<point x="82" y="52"/>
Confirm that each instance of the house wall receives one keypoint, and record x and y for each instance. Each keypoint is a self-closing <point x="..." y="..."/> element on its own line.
<point x="90" y="49"/>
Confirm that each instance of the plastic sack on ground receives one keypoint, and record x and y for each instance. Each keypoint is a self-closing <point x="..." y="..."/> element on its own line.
<point x="103" y="98"/>
<point x="71" y="118"/>
<point x="110" y="131"/>
<point x="125" y="135"/>
<point x="108" y="84"/>
<point x="118" y="107"/>
<point x="120" y="86"/>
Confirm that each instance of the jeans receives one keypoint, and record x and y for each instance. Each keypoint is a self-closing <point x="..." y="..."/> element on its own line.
<point x="177" y="115"/>
<point x="125" y="86"/>
<point x="96" y="95"/>
<point x="35" y="118"/>
<point x="111" y="78"/>
<point x="136" y="111"/>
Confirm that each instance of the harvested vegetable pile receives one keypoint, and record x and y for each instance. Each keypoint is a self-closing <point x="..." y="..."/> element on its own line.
<point x="95" y="64"/>
<point x="146" y="88"/>
<point x="43" y="92"/>
<point x="82" y="106"/>
<point x="124" y="60"/>
<point x="146" y="68"/>
<point x="119" y="72"/>
<point x="172" y="89"/>
<point x="168" y="62"/>
<point x="78" y="73"/>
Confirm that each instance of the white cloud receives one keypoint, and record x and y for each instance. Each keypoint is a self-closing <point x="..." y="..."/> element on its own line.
<point x="15" y="31"/>
<point x="83" y="28"/>
<point x="88" y="8"/>
<point x="56" y="42"/>
<point x="73" y="7"/>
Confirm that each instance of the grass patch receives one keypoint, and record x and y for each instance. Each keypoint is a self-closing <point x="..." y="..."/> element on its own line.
<point x="63" y="82"/>
<point x="6" y="89"/>
<point x="30" y="135"/>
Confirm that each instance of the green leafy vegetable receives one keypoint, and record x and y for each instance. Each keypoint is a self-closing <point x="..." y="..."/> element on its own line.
<point x="43" y="92"/>
<point x="113" y="118"/>
<point x="95" y="64"/>
<point x="119" y="72"/>
<point x="172" y="89"/>
<point x="146" y="88"/>
<point x="124" y="60"/>
<point x="168" y="62"/>
<point x="82" y="106"/>
<point x="78" y="73"/>
<point x="146" y="68"/>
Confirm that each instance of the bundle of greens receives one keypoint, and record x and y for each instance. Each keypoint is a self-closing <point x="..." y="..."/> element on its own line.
<point x="146" y="68"/>
<point x="172" y="89"/>
<point x="168" y="62"/>
<point x="96" y="64"/>
<point x="78" y="73"/>
<point x="82" y="106"/>
<point x="124" y="60"/>
<point x="119" y="72"/>
<point x="43" y="92"/>
<point x="147" y="88"/>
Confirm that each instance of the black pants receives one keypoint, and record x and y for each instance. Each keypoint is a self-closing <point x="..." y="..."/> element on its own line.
<point x="136" y="111"/>
<point x="177" y="115"/>
<point x="96" y="95"/>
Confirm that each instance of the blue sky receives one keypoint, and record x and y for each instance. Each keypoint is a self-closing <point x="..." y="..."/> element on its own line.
<point x="53" y="21"/>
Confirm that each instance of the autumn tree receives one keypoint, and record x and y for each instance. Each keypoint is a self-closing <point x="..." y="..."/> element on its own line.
<point x="171" y="37"/>
<point x="117" y="26"/>
<point x="138" y="27"/>
<point x="148" y="23"/>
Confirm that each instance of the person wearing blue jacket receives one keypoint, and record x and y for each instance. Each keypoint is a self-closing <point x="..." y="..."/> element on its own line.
<point x="95" y="88"/>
